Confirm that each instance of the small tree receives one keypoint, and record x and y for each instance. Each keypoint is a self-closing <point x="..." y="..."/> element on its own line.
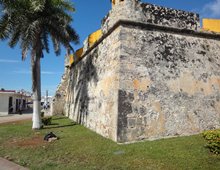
<point x="30" y="23"/>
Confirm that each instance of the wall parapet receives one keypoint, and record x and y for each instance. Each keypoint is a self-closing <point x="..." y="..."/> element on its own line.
<point x="134" y="10"/>
<point x="149" y="26"/>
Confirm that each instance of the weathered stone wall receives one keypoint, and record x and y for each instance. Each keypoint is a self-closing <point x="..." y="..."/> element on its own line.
<point x="169" y="84"/>
<point x="153" y="74"/>
<point x="93" y="88"/>
<point x="135" y="10"/>
<point x="60" y="98"/>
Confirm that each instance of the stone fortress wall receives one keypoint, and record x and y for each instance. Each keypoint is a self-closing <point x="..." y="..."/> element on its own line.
<point x="134" y="10"/>
<point x="152" y="73"/>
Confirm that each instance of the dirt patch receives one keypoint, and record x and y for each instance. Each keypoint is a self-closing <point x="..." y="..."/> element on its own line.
<point x="27" y="143"/>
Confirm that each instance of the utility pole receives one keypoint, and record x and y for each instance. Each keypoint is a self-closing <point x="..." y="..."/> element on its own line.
<point x="46" y="97"/>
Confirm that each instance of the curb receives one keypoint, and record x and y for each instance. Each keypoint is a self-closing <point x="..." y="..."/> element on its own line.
<point x="8" y="165"/>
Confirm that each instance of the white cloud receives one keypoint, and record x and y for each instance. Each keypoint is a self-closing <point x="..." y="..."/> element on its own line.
<point x="22" y="72"/>
<point x="9" y="61"/>
<point x="48" y="72"/>
<point x="212" y="9"/>
<point x="42" y="72"/>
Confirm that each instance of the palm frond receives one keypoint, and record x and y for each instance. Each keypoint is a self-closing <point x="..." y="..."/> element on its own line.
<point x="37" y="5"/>
<point x="5" y="27"/>
<point x="45" y="42"/>
<point x="24" y="53"/>
<point x="15" y="36"/>
<point x="72" y="34"/>
<point x="65" y="5"/>
<point x="56" y="45"/>
<point x="28" y="37"/>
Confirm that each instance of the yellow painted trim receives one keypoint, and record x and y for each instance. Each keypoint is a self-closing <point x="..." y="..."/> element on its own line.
<point x="71" y="59"/>
<point x="79" y="53"/>
<point x="94" y="37"/>
<point x="211" y="24"/>
<point x="114" y="2"/>
<point x="91" y="40"/>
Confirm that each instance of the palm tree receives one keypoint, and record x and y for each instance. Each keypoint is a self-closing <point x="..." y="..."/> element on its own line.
<point x="30" y="23"/>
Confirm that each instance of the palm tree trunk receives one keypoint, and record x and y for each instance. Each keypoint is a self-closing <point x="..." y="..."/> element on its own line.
<point x="36" y="87"/>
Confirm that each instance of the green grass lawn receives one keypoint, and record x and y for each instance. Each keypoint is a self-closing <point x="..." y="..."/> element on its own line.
<point x="80" y="148"/>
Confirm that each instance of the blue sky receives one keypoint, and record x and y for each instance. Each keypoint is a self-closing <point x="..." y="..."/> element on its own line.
<point x="15" y="74"/>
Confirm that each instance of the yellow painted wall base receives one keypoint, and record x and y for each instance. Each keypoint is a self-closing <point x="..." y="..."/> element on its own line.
<point x="211" y="25"/>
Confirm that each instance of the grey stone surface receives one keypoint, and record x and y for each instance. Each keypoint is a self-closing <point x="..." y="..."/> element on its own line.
<point x="59" y="100"/>
<point x="135" y="10"/>
<point x="93" y="88"/>
<point x="143" y="81"/>
<point x="169" y="85"/>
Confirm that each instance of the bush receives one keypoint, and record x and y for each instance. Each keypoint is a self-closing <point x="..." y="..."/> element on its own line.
<point x="213" y="139"/>
<point x="46" y="120"/>
<point x="42" y="114"/>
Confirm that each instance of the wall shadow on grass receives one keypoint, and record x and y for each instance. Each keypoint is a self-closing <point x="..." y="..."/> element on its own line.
<point x="59" y="126"/>
<point x="59" y="118"/>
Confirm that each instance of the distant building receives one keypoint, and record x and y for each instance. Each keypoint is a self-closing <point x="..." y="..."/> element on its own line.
<point x="11" y="101"/>
<point x="46" y="99"/>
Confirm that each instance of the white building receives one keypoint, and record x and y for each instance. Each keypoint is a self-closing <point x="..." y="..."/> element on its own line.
<point x="11" y="101"/>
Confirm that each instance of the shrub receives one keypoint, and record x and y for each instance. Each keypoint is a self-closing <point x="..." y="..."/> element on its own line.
<point x="46" y="120"/>
<point x="42" y="114"/>
<point x="213" y="139"/>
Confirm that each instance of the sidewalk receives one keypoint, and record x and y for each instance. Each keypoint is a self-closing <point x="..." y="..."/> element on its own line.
<point x="15" y="117"/>
<point x="7" y="165"/>
<point x="27" y="115"/>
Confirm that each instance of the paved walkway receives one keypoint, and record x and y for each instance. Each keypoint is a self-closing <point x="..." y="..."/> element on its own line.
<point x="7" y="165"/>
<point x="15" y="117"/>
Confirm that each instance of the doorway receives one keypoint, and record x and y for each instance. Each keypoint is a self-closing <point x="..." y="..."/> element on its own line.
<point x="10" y="105"/>
<point x="17" y="105"/>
